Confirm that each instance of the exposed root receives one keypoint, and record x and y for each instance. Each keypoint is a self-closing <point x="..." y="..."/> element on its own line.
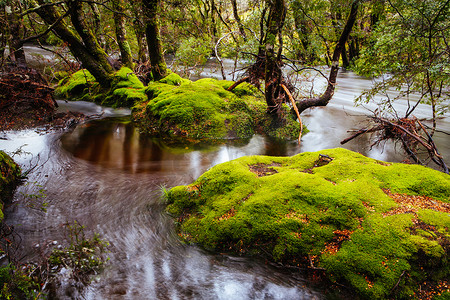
<point x="410" y="132"/>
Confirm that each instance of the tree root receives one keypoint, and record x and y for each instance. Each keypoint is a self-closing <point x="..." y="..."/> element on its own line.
<point x="408" y="131"/>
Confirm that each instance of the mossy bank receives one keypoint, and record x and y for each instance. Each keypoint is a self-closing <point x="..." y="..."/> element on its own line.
<point x="174" y="107"/>
<point x="10" y="174"/>
<point x="381" y="229"/>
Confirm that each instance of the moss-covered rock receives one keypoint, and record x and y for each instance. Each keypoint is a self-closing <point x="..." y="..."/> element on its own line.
<point x="380" y="228"/>
<point x="10" y="174"/>
<point x="204" y="109"/>
<point x="126" y="89"/>
<point x="176" y="107"/>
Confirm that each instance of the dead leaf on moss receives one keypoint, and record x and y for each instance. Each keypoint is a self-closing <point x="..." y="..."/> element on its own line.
<point x="261" y="169"/>
<point x="228" y="214"/>
<point x="293" y="215"/>
<point x="412" y="203"/>
<point x="335" y="244"/>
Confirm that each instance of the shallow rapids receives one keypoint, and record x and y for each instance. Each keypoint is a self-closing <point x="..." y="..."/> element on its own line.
<point x="109" y="178"/>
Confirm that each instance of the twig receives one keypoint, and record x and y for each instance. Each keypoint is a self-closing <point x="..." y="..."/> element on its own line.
<point x="217" y="53"/>
<point x="398" y="282"/>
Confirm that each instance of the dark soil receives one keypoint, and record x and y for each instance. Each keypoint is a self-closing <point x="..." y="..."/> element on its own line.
<point x="26" y="101"/>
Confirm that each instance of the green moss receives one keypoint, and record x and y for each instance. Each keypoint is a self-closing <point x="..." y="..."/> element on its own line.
<point x="336" y="213"/>
<point x="78" y="86"/>
<point x="243" y="89"/>
<point x="204" y="109"/>
<point x="10" y="174"/>
<point x="126" y="89"/>
<point x="175" y="107"/>
<point x="174" y="79"/>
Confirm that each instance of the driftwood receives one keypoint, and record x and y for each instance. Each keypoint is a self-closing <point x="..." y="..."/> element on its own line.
<point x="410" y="132"/>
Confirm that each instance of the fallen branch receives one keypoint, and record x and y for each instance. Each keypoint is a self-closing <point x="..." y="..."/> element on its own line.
<point x="359" y="132"/>
<point x="244" y="79"/>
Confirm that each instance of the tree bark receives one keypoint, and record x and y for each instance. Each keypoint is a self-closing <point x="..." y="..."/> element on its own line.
<point x="238" y="20"/>
<point x="273" y="73"/>
<point x="121" y="33"/>
<point x="329" y="92"/>
<point x="16" y="28"/>
<point x="158" y="64"/>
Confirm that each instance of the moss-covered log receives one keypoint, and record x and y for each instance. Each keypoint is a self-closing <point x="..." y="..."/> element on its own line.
<point x="380" y="228"/>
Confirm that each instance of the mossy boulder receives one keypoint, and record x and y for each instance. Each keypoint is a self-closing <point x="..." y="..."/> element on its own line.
<point x="204" y="109"/>
<point x="380" y="228"/>
<point x="10" y="174"/>
<point x="126" y="89"/>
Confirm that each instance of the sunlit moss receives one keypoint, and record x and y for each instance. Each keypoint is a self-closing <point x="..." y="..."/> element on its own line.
<point x="335" y="214"/>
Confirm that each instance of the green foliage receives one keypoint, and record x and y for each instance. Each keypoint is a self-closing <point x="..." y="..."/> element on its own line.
<point x="194" y="51"/>
<point x="409" y="45"/>
<point x="34" y="199"/>
<point x="84" y="256"/>
<point x="18" y="283"/>
<point x="335" y="213"/>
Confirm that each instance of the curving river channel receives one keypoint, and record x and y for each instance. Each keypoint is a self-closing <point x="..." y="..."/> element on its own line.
<point x="108" y="177"/>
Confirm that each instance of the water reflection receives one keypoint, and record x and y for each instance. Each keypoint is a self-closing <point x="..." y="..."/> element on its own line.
<point x="115" y="143"/>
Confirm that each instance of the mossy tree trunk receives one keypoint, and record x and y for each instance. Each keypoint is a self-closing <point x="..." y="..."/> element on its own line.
<point x="155" y="53"/>
<point x="121" y="33"/>
<point x="238" y="19"/>
<point x="83" y="44"/>
<point x="139" y="31"/>
<point x="273" y="72"/>
<point x="15" y="33"/>
<point x="323" y="99"/>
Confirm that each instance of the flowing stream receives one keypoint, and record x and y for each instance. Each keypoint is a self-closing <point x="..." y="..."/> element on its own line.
<point x="109" y="178"/>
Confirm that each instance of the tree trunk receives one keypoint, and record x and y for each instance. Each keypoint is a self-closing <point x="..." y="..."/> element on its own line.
<point x="89" y="39"/>
<point x="119" y="22"/>
<point x="345" y="61"/>
<point x="238" y="20"/>
<point x="329" y="92"/>
<point x="139" y="31"/>
<point x="158" y="64"/>
<point x="91" y="56"/>
<point x="16" y="52"/>
<point x="273" y="73"/>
